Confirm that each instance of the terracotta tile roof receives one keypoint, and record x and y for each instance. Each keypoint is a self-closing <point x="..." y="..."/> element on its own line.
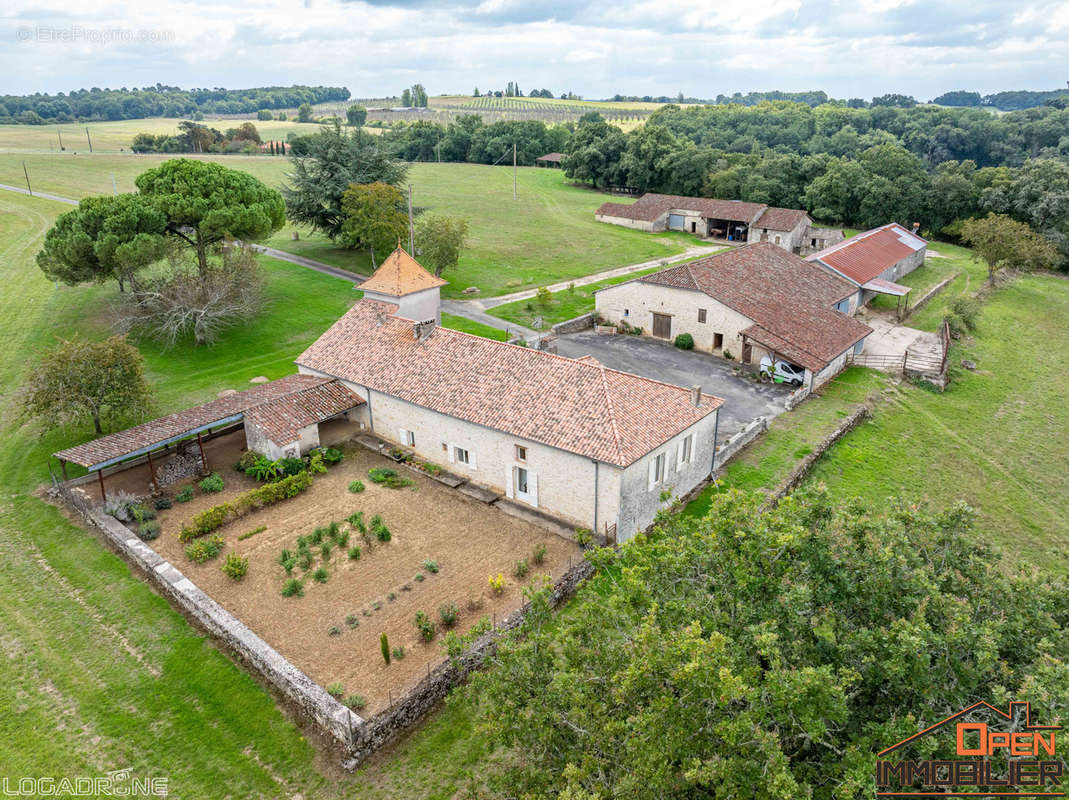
<point x="866" y="255"/>
<point x="282" y="419"/>
<point x="186" y="422"/>
<point x="573" y="405"/>
<point x="551" y="157"/>
<point x="651" y="206"/>
<point x="781" y="219"/>
<point x="400" y="274"/>
<point x="790" y="301"/>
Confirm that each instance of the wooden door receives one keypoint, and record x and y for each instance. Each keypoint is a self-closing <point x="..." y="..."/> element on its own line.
<point x="662" y="326"/>
<point x="747" y="353"/>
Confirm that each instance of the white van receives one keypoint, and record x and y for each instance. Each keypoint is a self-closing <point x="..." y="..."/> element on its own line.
<point x="781" y="372"/>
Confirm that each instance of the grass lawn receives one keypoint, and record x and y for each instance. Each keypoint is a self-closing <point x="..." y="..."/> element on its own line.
<point x="546" y="236"/>
<point x="470" y="326"/>
<point x="790" y="437"/>
<point x="996" y="437"/>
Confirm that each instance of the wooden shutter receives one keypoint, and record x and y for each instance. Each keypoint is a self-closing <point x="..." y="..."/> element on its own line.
<point x="532" y="487"/>
<point x="451" y="449"/>
<point x="653" y="472"/>
<point x="509" y="489"/>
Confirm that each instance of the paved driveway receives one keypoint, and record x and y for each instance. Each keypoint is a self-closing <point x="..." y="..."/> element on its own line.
<point x="744" y="399"/>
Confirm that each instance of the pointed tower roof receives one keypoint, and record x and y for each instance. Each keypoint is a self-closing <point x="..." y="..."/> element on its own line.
<point x="400" y="274"/>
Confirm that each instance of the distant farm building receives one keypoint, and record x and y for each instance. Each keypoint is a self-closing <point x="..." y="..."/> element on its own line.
<point x="873" y="260"/>
<point x="550" y="160"/>
<point x="728" y="220"/>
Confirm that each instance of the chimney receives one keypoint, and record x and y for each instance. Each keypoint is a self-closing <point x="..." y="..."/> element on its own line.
<point x="423" y="330"/>
<point x="696" y="395"/>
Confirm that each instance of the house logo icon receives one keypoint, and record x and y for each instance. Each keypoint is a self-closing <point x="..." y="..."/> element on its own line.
<point x="1005" y="756"/>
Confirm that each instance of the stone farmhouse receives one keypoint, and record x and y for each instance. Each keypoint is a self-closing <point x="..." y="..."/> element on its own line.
<point x="872" y="261"/>
<point x="748" y="302"/>
<point x="591" y="445"/>
<point x="568" y="438"/>
<point x="730" y="220"/>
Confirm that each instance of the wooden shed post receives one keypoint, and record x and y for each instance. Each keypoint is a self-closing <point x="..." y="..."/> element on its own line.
<point x="203" y="460"/>
<point x="63" y="468"/>
<point x="152" y="472"/>
<point x="100" y="477"/>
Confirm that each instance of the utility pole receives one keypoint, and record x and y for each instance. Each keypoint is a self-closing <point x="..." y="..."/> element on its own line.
<point x="438" y="148"/>
<point x="24" y="172"/>
<point x="89" y="140"/>
<point x="513" y="170"/>
<point x="411" y="229"/>
<point x="60" y="138"/>
<point x="114" y="185"/>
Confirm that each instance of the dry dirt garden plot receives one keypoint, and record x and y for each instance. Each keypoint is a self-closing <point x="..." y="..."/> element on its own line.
<point x="332" y="631"/>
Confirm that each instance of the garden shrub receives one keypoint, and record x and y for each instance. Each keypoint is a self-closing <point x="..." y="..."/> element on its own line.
<point x="356" y="487"/>
<point x="357" y="521"/>
<point x="684" y="341"/>
<point x="355" y="702"/>
<point x="497" y="585"/>
<point x="332" y="455"/>
<point x="419" y="577"/>
<point x="142" y="513"/>
<point x="254" y="499"/>
<point x="728" y="356"/>
<point x="235" y="566"/>
<point x="584" y="537"/>
<point x="184" y="495"/>
<point x="431" y="566"/>
<point x="264" y="469"/>
<point x="425" y="625"/>
<point x="206" y="521"/>
<point x="204" y="550"/>
<point x="352" y="621"/>
<point x="388" y="478"/>
<point x="398" y="653"/>
<point x="521" y="568"/>
<point x="253" y="532"/>
<point x="119" y="504"/>
<point x="378" y="527"/>
<point x="316" y="536"/>
<point x="321" y="575"/>
<point x="335" y="689"/>
<point x="162" y="503"/>
<point x="315" y="463"/>
<point x="291" y="466"/>
<point x="334" y="630"/>
<point x="292" y="588"/>
<point x="248" y="458"/>
<point x="539" y="554"/>
<point x="147" y="531"/>
<point x="967" y="310"/>
<point x="448" y="613"/>
<point x="325" y="550"/>
<point x="212" y="484"/>
<point x="354" y="553"/>
<point x="305" y="558"/>
<point x="287" y="560"/>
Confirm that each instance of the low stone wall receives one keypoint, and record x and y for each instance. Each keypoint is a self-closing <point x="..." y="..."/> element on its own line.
<point x="798" y="474"/>
<point x="926" y="298"/>
<point x="733" y="445"/>
<point x="304" y="694"/>
<point x="575" y="324"/>
<point x="385" y="727"/>
<point x="796" y="397"/>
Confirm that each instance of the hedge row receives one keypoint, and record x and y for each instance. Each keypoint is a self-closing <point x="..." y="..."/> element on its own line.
<point x="270" y="493"/>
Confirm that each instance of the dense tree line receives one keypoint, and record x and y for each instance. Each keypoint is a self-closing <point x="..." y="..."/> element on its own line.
<point x="158" y="101"/>
<point x="467" y="138"/>
<point x="196" y="138"/>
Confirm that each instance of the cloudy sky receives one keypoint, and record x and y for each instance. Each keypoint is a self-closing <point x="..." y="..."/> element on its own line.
<point x="849" y="48"/>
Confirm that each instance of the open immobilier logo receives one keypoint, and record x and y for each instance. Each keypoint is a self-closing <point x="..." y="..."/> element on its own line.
<point x="1008" y="757"/>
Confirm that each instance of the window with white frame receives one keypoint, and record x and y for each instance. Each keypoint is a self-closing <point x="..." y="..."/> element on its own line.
<point x="461" y="455"/>
<point x="657" y="469"/>
<point x="408" y="438"/>
<point x="686" y="449"/>
<point x="521" y="453"/>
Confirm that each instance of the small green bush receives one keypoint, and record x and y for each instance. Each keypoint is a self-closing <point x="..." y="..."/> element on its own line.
<point x="341" y="538"/>
<point x="334" y="630"/>
<point x="352" y="621"/>
<point x="332" y="455"/>
<point x="354" y="553"/>
<point x="287" y="560"/>
<point x="292" y="588"/>
<point x="315" y="463"/>
<point x="316" y="536"/>
<point x="357" y="521"/>
<point x="425" y="625"/>
<point x="419" y="577"/>
<point x="355" y="702"/>
<point x="431" y="566"/>
<point x="684" y="341"/>
<point x="184" y="495"/>
<point x="247" y="460"/>
<point x="321" y="575"/>
<point x="253" y="532"/>
<point x="205" y="549"/>
<point x="539" y="554"/>
<point x="448" y="613"/>
<point x="291" y="466"/>
<point x="378" y="527"/>
<point x="497" y="584"/>
<point x="147" y="531"/>
<point x="520" y="570"/>
<point x="162" y="503"/>
<point x="967" y="310"/>
<point x="235" y="566"/>
<point x="728" y="356"/>
<point x="213" y="483"/>
<point x="325" y="550"/>
<point x="398" y="653"/>
<point x="388" y="477"/>
<point x="305" y="558"/>
<point x="356" y="487"/>
<point x="336" y="689"/>
<point x="584" y="537"/>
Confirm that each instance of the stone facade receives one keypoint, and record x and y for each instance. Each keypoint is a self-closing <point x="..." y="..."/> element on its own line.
<point x="648" y="226"/>
<point x="583" y="491"/>
<point x="256" y="439"/>
<point x="418" y="306"/>
<point x="791" y="240"/>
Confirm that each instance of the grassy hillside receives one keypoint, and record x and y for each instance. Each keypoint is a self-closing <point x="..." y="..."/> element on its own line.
<point x="547" y="235"/>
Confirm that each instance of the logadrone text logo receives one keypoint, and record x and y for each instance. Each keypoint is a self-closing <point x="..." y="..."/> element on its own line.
<point x="1020" y="762"/>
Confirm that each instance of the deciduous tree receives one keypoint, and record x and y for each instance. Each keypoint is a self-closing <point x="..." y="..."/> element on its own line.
<point x="81" y="379"/>
<point x="1003" y="242"/>
<point x="356" y="115"/>
<point x="440" y="240"/>
<point x="374" y="217"/>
